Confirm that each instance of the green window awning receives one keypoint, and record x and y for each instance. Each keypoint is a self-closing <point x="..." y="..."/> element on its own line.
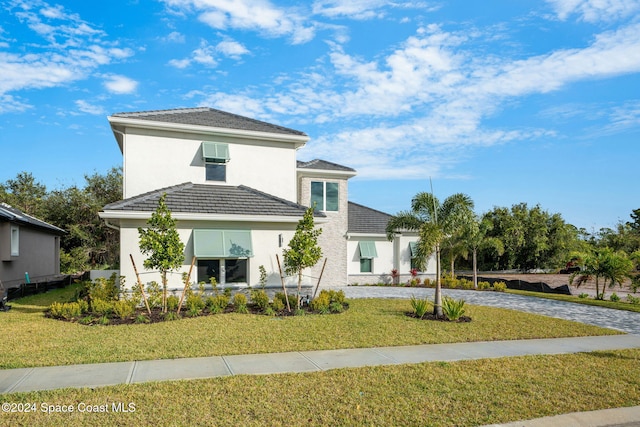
<point x="215" y="152"/>
<point x="367" y="249"/>
<point x="413" y="247"/>
<point x="210" y="243"/>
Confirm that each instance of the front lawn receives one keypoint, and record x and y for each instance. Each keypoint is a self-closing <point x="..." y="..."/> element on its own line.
<point x="31" y="339"/>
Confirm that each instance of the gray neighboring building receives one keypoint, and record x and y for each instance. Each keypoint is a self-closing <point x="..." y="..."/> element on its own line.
<point x="27" y="246"/>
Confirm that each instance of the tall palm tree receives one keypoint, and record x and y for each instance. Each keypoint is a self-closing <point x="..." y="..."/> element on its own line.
<point x="434" y="222"/>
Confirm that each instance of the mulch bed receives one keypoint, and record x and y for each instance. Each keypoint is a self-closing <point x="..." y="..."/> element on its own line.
<point x="443" y="318"/>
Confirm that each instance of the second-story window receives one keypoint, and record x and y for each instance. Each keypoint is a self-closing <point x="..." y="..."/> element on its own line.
<point x="325" y="195"/>
<point x="216" y="157"/>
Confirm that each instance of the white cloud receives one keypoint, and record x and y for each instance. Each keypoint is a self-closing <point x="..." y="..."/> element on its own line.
<point x="73" y="49"/>
<point x="252" y="15"/>
<point x="175" y="37"/>
<point x="595" y="10"/>
<point x="120" y="85"/>
<point x="232" y="49"/>
<point x="85" y="107"/>
<point x="363" y="9"/>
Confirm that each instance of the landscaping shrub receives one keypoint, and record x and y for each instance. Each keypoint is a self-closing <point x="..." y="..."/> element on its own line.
<point x="105" y="289"/>
<point x="321" y="303"/>
<point x="141" y="318"/>
<point x="260" y="298"/>
<point x="465" y="284"/>
<point x="102" y="307"/>
<point x="217" y="303"/>
<point x="154" y="295"/>
<point x="172" y="302"/>
<point x="336" y="307"/>
<point x="123" y="309"/>
<point x="195" y="303"/>
<point x="277" y="305"/>
<point x="293" y="301"/>
<point x="66" y="310"/>
<point x="614" y="297"/>
<point x="449" y="282"/>
<point x="453" y="309"/>
<point x="240" y="303"/>
<point x="484" y="285"/>
<point x="583" y="295"/>
<point x="428" y="283"/>
<point x="499" y="286"/>
<point x="420" y="306"/>
<point x="633" y="300"/>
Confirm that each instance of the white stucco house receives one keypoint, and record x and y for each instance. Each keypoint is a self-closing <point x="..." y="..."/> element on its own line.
<point x="237" y="191"/>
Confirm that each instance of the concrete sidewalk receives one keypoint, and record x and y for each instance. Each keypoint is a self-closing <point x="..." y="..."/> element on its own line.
<point x="106" y="374"/>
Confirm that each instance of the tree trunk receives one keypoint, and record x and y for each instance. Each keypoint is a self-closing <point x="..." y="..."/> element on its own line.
<point x="598" y="290"/>
<point x="453" y="268"/>
<point x="164" y="291"/>
<point x="299" y="288"/>
<point x="437" y="301"/>
<point x="475" y="269"/>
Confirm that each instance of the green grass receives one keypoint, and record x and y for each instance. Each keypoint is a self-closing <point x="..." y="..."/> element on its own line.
<point x="463" y="393"/>
<point x="574" y="298"/>
<point x="35" y="340"/>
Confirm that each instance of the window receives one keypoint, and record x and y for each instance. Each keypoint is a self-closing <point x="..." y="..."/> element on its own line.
<point x="325" y="195"/>
<point x="367" y="253"/>
<point x="224" y="270"/>
<point x="216" y="157"/>
<point x="413" y="250"/>
<point x="15" y="241"/>
<point x="366" y="265"/>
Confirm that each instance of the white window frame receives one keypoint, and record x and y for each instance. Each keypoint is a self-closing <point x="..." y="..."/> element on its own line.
<point x="15" y="240"/>
<point x="323" y="207"/>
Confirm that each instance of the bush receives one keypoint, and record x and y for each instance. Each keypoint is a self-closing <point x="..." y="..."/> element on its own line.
<point x="100" y="306"/>
<point x="172" y="302"/>
<point x="449" y="282"/>
<point x="336" y="307"/>
<point x="154" y="295"/>
<point x="105" y="289"/>
<point x="614" y="297"/>
<point x="141" y="318"/>
<point x="217" y="303"/>
<point x="499" y="286"/>
<point x="465" y="284"/>
<point x="453" y="309"/>
<point x="633" y="300"/>
<point x="420" y="306"/>
<point x="583" y="295"/>
<point x="260" y="298"/>
<point x="123" y="309"/>
<point x="195" y="303"/>
<point x="277" y="305"/>
<point x="240" y="303"/>
<point x="67" y="310"/>
<point x="321" y="303"/>
<point x="293" y="300"/>
<point x="484" y="285"/>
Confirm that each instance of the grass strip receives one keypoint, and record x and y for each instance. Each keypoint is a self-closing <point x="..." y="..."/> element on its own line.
<point x="463" y="393"/>
<point x="34" y="340"/>
<point x="574" y="298"/>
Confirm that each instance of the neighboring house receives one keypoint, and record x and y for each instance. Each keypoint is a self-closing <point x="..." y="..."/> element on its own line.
<point x="237" y="191"/>
<point x="28" y="246"/>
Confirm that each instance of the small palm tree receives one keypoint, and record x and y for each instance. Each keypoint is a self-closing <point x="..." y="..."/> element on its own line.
<point x="434" y="222"/>
<point x="604" y="263"/>
<point x="475" y="237"/>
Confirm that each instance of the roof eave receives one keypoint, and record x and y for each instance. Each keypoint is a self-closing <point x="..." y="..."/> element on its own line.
<point x="144" y="215"/>
<point x="297" y="140"/>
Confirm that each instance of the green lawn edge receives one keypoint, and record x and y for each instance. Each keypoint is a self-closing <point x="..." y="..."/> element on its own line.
<point x="575" y="299"/>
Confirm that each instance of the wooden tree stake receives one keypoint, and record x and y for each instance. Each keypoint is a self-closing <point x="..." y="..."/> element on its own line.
<point x="319" y="278"/>
<point x="186" y="284"/>
<point x="284" y="288"/>
<point x="144" y="296"/>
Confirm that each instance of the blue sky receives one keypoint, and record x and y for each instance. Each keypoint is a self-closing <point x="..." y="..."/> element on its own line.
<point x="507" y="101"/>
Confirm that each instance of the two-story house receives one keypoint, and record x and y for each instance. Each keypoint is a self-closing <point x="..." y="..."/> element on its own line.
<point x="237" y="191"/>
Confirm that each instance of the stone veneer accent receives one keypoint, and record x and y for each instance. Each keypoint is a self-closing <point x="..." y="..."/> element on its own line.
<point x="333" y="237"/>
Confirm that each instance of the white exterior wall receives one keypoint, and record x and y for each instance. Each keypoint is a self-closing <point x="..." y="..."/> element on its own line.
<point x="264" y="236"/>
<point x="381" y="265"/>
<point x="156" y="159"/>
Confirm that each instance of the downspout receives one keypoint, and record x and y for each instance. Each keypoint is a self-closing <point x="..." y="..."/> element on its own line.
<point x="112" y="226"/>
<point x="124" y="158"/>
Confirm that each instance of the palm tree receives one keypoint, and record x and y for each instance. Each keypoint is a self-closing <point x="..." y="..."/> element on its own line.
<point x="475" y="237"/>
<point x="434" y="222"/>
<point x="606" y="264"/>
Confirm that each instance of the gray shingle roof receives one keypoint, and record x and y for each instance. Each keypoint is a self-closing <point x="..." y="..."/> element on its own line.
<point x="212" y="199"/>
<point x="366" y="220"/>
<point x="208" y="117"/>
<point x="323" y="165"/>
<point x="11" y="214"/>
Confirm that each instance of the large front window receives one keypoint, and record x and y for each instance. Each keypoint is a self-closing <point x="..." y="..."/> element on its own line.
<point x="324" y="195"/>
<point x="223" y="270"/>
